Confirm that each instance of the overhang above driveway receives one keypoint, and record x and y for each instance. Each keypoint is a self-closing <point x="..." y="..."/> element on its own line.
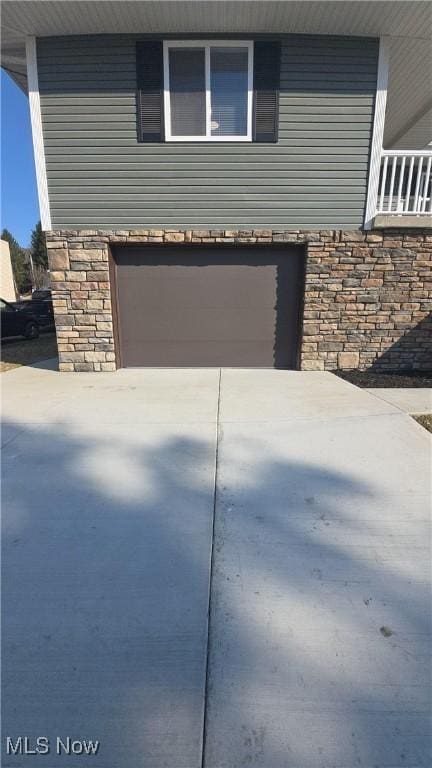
<point x="409" y="24"/>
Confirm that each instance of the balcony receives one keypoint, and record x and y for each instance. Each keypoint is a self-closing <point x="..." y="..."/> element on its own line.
<point x="405" y="189"/>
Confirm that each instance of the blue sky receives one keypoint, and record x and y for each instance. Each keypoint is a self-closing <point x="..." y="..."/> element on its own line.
<point x="19" y="203"/>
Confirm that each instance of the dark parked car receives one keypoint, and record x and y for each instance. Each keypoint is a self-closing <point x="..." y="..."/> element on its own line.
<point x="41" y="306"/>
<point x="18" y="320"/>
<point x="41" y="294"/>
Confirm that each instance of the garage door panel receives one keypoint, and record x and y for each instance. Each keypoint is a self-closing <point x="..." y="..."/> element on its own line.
<point x="233" y="288"/>
<point x="210" y="354"/>
<point x="198" y="306"/>
<point x="218" y="324"/>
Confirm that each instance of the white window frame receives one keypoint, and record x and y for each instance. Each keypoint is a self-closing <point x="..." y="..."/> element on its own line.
<point x="207" y="44"/>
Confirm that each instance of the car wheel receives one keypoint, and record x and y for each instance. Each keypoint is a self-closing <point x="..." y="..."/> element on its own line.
<point x="31" y="330"/>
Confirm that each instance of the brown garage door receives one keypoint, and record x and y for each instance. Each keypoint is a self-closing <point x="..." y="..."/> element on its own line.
<point x="208" y="306"/>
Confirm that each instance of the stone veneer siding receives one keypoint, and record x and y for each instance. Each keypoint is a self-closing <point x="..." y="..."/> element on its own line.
<point x="368" y="295"/>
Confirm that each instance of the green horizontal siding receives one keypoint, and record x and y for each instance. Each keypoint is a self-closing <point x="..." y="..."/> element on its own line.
<point x="100" y="176"/>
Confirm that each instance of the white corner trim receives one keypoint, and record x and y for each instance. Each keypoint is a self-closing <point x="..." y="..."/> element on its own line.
<point x="377" y="131"/>
<point x="36" y="124"/>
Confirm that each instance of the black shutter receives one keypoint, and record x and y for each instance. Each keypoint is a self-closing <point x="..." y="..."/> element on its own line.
<point x="149" y="73"/>
<point x="266" y="90"/>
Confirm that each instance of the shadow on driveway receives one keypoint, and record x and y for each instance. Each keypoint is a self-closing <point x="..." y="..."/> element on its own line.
<point x="106" y="547"/>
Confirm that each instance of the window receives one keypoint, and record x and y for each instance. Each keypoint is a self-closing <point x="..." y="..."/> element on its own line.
<point x="208" y="90"/>
<point x="204" y="90"/>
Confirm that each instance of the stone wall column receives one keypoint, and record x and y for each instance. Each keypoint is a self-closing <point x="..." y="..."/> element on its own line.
<point x="82" y="300"/>
<point x="368" y="299"/>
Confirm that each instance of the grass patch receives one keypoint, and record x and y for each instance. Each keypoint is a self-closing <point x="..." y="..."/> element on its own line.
<point x="18" y="352"/>
<point x="425" y="419"/>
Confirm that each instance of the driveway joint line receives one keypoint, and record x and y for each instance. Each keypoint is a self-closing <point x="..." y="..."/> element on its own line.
<point x="211" y="566"/>
<point x="395" y="405"/>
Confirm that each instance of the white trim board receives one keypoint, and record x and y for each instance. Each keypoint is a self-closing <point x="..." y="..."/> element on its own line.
<point x="36" y="124"/>
<point x="377" y="131"/>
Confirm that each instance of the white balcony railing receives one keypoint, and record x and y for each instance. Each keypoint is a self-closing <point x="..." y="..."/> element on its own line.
<point x="405" y="183"/>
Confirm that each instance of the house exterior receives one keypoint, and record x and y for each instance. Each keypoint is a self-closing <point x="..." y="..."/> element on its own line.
<point x="7" y="285"/>
<point x="214" y="187"/>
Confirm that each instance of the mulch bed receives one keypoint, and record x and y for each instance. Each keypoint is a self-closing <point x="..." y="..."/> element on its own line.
<point x="369" y="379"/>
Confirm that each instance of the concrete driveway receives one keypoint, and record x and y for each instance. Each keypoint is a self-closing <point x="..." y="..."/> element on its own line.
<point x="309" y="498"/>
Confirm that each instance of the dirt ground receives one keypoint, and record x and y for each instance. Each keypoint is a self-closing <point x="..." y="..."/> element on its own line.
<point x="425" y="419"/>
<point x="18" y="352"/>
